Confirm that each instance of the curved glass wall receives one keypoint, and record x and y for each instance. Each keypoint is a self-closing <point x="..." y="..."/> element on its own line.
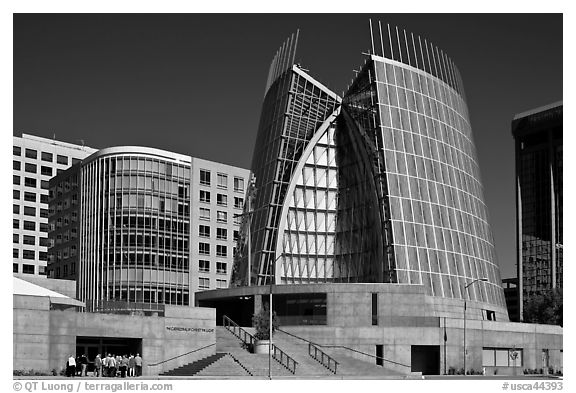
<point x="135" y="231"/>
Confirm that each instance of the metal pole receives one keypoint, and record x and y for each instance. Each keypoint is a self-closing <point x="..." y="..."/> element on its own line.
<point x="249" y="277"/>
<point x="445" y="339"/>
<point x="465" y="335"/>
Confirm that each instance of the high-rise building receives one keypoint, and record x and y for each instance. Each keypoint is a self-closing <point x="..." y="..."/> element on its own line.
<point x="141" y="227"/>
<point x="539" y="231"/>
<point x="510" y="286"/>
<point x="35" y="161"/>
<point x="381" y="186"/>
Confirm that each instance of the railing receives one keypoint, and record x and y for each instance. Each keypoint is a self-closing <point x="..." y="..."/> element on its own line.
<point x="366" y="354"/>
<point x="281" y="357"/>
<point x="322" y="357"/>
<point x="238" y="331"/>
<point x="179" y="356"/>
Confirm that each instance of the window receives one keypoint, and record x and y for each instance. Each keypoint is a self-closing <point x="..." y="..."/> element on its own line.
<point x="62" y="159"/>
<point x="221" y="234"/>
<point x="65" y="270"/>
<point x="15" y="238"/>
<point x="29" y="211"/>
<point x="204" y="177"/>
<point x="204" y="248"/>
<point x="31" y="225"/>
<point x="29" y="196"/>
<point x="204" y="196"/>
<point x="28" y="269"/>
<point x="45" y="170"/>
<point x="238" y="184"/>
<point x="502" y="357"/>
<point x="30" y="168"/>
<point x="237" y="220"/>
<point x="222" y="216"/>
<point x="30" y="153"/>
<point x="220" y="283"/>
<point x="374" y="309"/>
<point x="29" y="182"/>
<point x="44" y="198"/>
<point x="42" y="270"/>
<point x="16" y="209"/>
<point x="47" y="157"/>
<point x="29" y="240"/>
<point x="204" y="214"/>
<point x="490" y="315"/>
<point x="15" y="194"/>
<point x="236" y="236"/>
<point x="15" y="265"/>
<point x="44" y="184"/>
<point x="16" y="150"/>
<point x="238" y="203"/>
<point x="15" y="180"/>
<point x="221" y="251"/>
<point x="221" y="267"/>
<point x="44" y="242"/>
<point x="28" y="254"/>
<point x="222" y="180"/>
<point x="222" y="200"/>
<point x="44" y="213"/>
<point x="204" y="231"/>
<point x="16" y="165"/>
<point x="204" y="266"/>
<point x="15" y="223"/>
<point x="204" y="283"/>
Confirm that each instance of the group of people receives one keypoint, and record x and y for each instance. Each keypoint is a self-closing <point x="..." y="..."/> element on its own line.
<point x="109" y="366"/>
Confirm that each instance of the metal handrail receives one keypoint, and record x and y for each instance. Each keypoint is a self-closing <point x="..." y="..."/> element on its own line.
<point x="238" y="331"/>
<point x="179" y="356"/>
<point x="366" y="354"/>
<point x="324" y="359"/>
<point x="284" y="359"/>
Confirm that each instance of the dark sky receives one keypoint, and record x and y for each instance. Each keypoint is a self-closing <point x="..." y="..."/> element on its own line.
<point x="194" y="84"/>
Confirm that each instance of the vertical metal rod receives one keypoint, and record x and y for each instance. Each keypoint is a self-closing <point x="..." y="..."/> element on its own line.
<point x="407" y="50"/>
<point x="414" y="47"/>
<point x="295" y="46"/>
<point x="371" y="35"/>
<point x="399" y="46"/>
<point x="390" y="41"/>
<point x="381" y="40"/>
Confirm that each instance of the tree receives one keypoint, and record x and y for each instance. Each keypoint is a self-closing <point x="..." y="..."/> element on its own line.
<point x="261" y="323"/>
<point x="544" y="307"/>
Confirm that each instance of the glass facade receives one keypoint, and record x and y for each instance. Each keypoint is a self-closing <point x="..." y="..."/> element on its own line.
<point x="539" y="172"/>
<point x="134" y="231"/>
<point x="380" y="186"/>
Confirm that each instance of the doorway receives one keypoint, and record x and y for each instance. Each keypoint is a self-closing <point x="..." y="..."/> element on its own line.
<point x="426" y="359"/>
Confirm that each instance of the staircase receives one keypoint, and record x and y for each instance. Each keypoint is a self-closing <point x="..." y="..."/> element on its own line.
<point x="256" y="365"/>
<point x="194" y="367"/>
<point x="298" y="350"/>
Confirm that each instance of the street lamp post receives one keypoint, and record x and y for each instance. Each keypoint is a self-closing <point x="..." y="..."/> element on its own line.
<point x="464" y="296"/>
<point x="271" y="276"/>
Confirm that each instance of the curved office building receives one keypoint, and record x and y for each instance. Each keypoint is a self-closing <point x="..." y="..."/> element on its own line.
<point x="134" y="229"/>
<point x="380" y="186"/>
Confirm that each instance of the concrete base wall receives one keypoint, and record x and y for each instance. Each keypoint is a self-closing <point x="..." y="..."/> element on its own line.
<point x="44" y="339"/>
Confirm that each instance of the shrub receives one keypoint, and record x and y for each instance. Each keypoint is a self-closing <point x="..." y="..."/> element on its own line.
<point x="30" y="373"/>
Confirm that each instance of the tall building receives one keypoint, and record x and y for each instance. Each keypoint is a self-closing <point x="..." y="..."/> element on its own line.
<point x="510" y="286"/>
<point x="35" y="161"/>
<point x="382" y="185"/>
<point x="141" y="227"/>
<point x="539" y="231"/>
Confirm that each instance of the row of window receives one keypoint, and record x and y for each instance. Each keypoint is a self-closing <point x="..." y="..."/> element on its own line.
<point x="222" y="180"/>
<point x="204" y="267"/>
<point x="30" y="196"/>
<point x="30" y="225"/>
<point x="29" y="211"/>
<point x="221" y="199"/>
<point x="33" y="168"/>
<point x="30" y="240"/>
<point x="204" y="283"/>
<point x="30" y="182"/>
<point x="30" y="254"/>
<point x="221" y="233"/>
<point x="44" y="156"/>
<point x="204" y="249"/>
<point x="26" y="269"/>
<point x="221" y="216"/>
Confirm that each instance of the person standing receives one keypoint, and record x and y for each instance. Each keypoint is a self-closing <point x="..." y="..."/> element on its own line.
<point x="138" y="362"/>
<point x="71" y="366"/>
<point x="118" y="364"/>
<point x="131" y="366"/>
<point x="83" y="365"/>
<point x="106" y="366"/>
<point x="97" y="366"/>
<point x="112" y="366"/>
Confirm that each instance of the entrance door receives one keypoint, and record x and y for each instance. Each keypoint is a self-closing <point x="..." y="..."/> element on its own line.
<point x="426" y="359"/>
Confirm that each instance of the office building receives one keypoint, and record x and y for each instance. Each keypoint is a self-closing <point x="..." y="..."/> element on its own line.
<point x="35" y="161"/>
<point x="539" y="232"/>
<point x="140" y="227"/>
<point x="510" y="286"/>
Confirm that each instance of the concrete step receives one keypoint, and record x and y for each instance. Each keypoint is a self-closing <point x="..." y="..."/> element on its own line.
<point x="225" y="366"/>
<point x="194" y="368"/>
<point x="298" y="350"/>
